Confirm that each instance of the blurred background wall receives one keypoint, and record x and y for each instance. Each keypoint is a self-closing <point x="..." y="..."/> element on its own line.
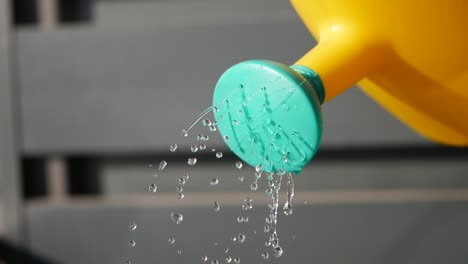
<point x="92" y="93"/>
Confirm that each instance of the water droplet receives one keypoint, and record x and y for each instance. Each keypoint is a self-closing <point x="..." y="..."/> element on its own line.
<point x="266" y="228"/>
<point x="179" y="251"/>
<point x="180" y="189"/>
<point x="171" y="240"/>
<point x="202" y="147"/>
<point x="192" y="161"/>
<point x="281" y="172"/>
<point x="265" y="255"/>
<point x="132" y="243"/>
<point x="206" y="122"/>
<point x="184" y="133"/>
<point x="216" y="206"/>
<point x="241" y="85"/>
<point x="254" y="186"/>
<point x="246" y="219"/>
<point x="268" y="220"/>
<point x="237" y="260"/>
<point x="240" y="219"/>
<point x="133" y="226"/>
<point x="212" y="127"/>
<point x="186" y="176"/>
<point x="228" y="259"/>
<point x="153" y="188"/>
<point x="216" y="109"/>
<point x="270" y="183"/>
<point x="269" y="190"/>
<point x="214" y="181"/>
<point x="226" y="250"/>
<point x="181" y="180"/>
<point x="238" y="165"/>
<point x="235" y="122"/>
<point x="233" y="238"/>
<point x="286" y="107"/>
<point x="128" y="262"/>
<point x="162" y="165"/>
<point x="219" y="154"/>
<point x="180" y="195"/>
<point x="177" y="217"/>
<point x="213" y="150"/>
<point x="263" y="88"/>
<point x="173" y="147"/>
<point x="214" y="261"/>
<point x="226" y="137"/>
<point x="204" y="258"/>
<point x="240" y="111"/>
<point x="241" y="178"/>
<point x="287" y="209"/>
<point x="155" y="175"/>
<point x="278" y="251"/>
<point x="259" y="168"/>
<point x="255" y="231"/>
<point x="267" y="243"/>
<point x="199" y="137"/>
<point x="194" y="148"/>
<point x="150" y="165"/>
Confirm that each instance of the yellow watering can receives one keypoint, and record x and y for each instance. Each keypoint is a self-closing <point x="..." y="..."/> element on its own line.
<point x="408" y="55"/>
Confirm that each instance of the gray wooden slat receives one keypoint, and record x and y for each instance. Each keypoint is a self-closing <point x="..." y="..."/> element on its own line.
<point x="125" y="85"/>
<point x="362" y="233"/>
<point x="11" y="225"/>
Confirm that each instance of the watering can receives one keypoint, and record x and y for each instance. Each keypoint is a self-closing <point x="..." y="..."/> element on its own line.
<point x="409" y="56"/>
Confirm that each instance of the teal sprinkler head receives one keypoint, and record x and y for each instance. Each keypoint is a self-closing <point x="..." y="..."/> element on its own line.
<point x="269" y="114"/>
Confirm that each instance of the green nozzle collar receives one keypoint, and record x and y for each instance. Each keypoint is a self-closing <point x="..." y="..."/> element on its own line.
<point x="313" y="78"/>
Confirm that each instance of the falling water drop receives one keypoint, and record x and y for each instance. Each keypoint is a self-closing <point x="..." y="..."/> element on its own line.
<point x="171" y="240"/>
<point x="173" y="147"/>
<point x="206" y="122"/>
<point x="238" y="165"/>
<point x="177" y="217"/>
<point x="287" y="209"/>
<point x="181" y="180"/>
<point x="216" y="206"/>
<point x="214" y="181"/>
<point x="219" y="154"/>
<point x="194" y="148"/>
<point x="278" y="251"/>
<point x="254" y="186"/>
<point x="240" y="219"/>
<point x="153" y="188"/>
<point x="133" y="226"/>
<point x="132" y="243"/>
<point x="162" y="165"/>
<point x="192" y="161"/>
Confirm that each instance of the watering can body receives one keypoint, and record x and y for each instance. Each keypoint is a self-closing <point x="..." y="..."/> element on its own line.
<point x="409" y="56"/>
